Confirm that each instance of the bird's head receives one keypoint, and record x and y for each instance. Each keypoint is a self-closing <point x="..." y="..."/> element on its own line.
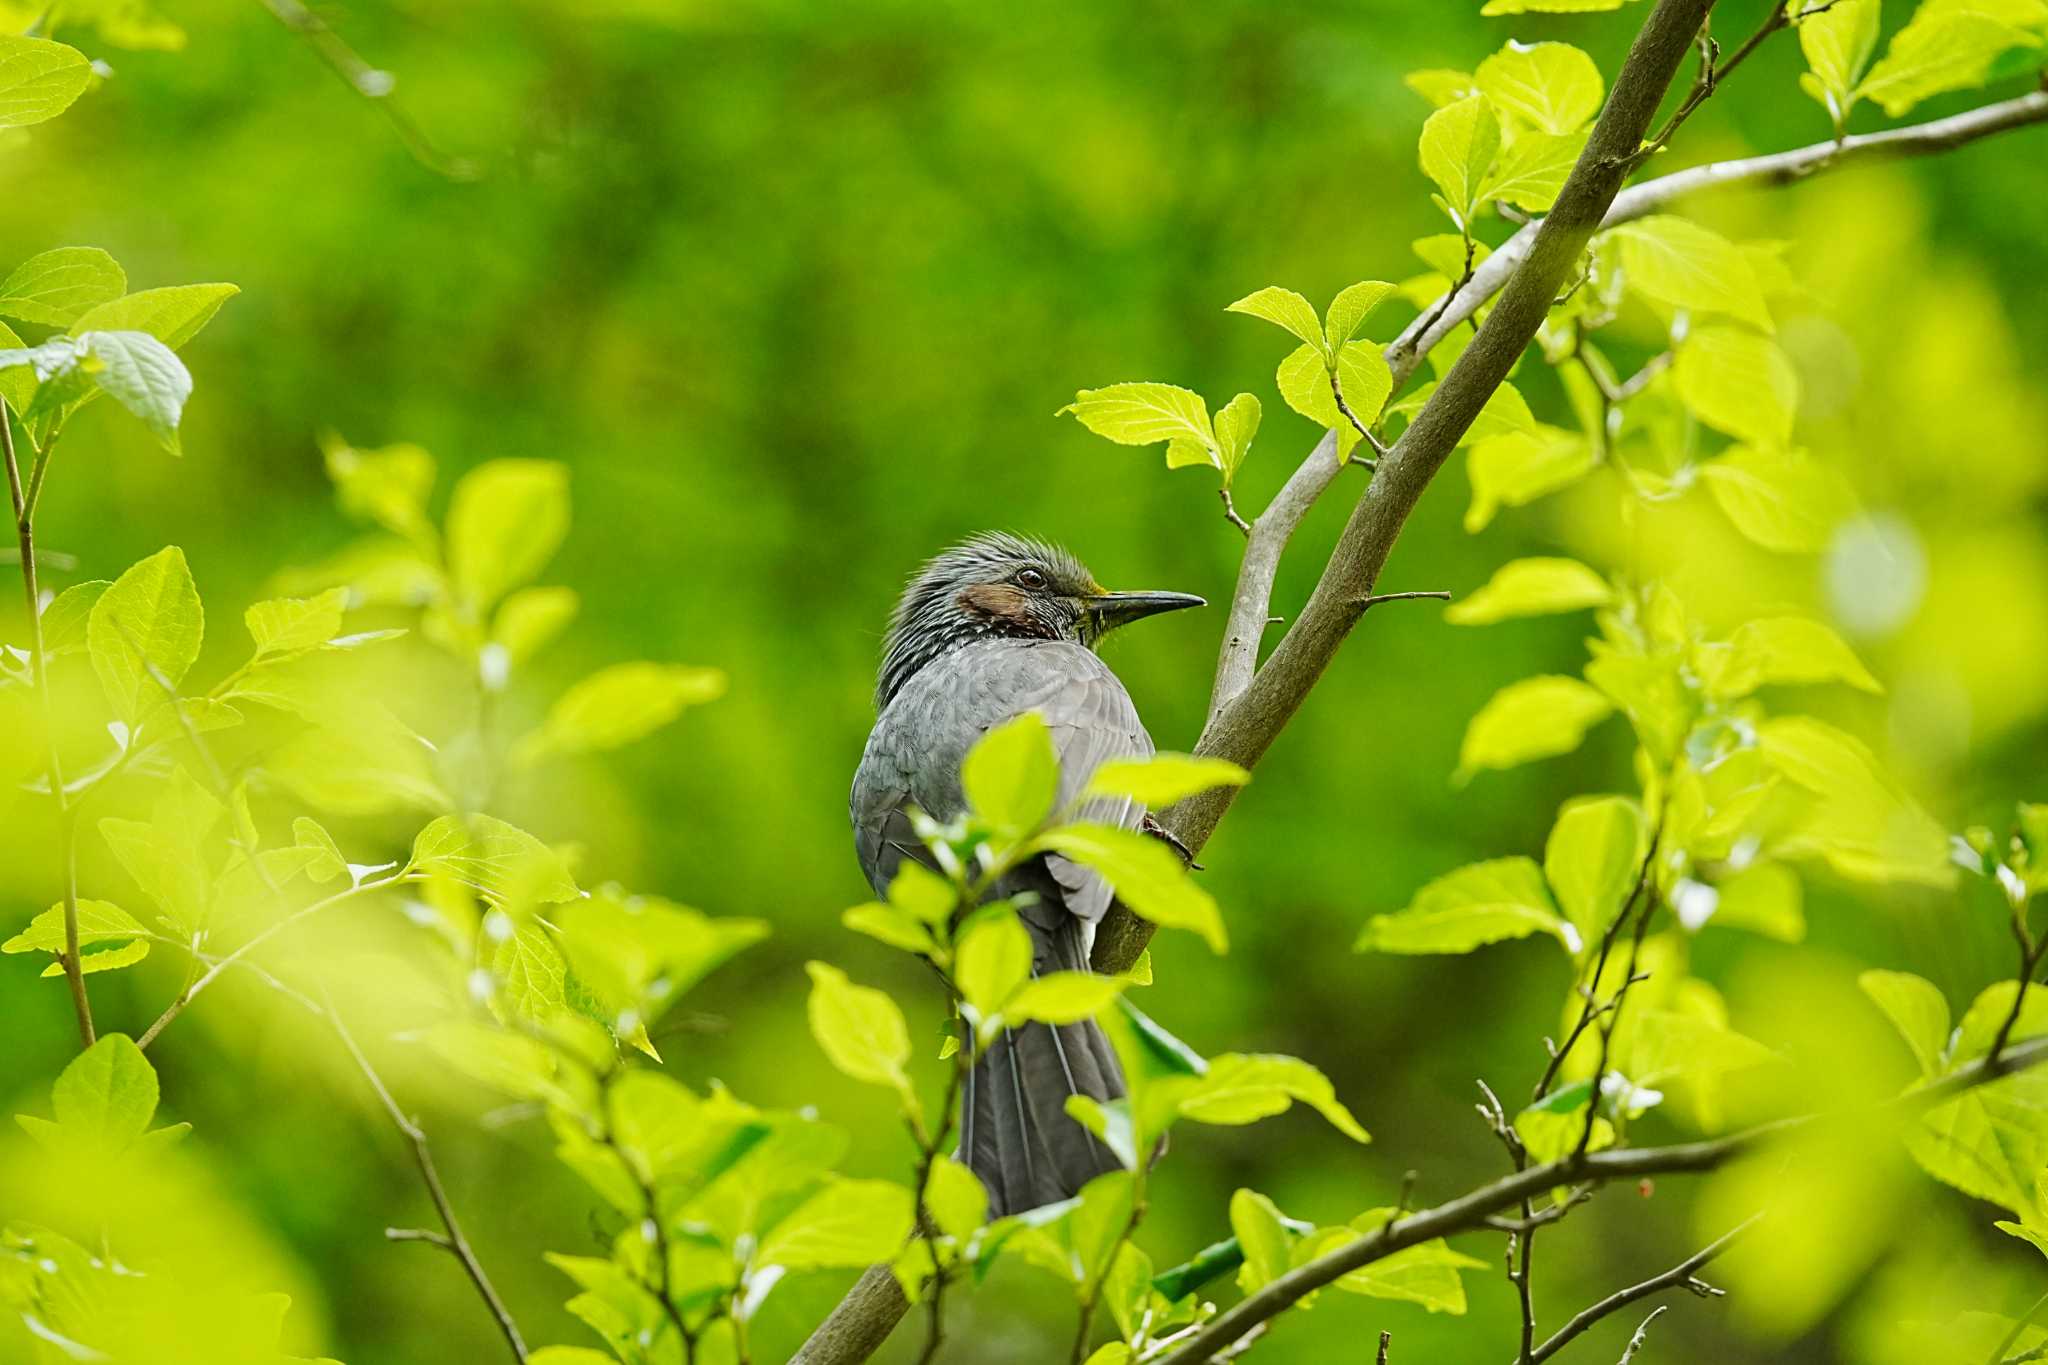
<point x="1006" y="586"/>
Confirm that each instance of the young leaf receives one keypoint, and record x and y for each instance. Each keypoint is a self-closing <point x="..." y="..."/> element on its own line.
<point x="64" y="620"/>
<point x="98" y="922"/>
<point x="1535" y="718"/>
<point x="1263" y="1236"/>
<point x="502" y="861"/>
<point x="1147" y="875"/>
<point x="1242" y="1088"/>
<point x="58" y="287"/>
<point x="108" y="1094"/>
<point x="1917" y="1009"/>
<point x="38" y="79"/>
<point x="617" y="705"/>
<point x="1441" y="86"/>
<point x="1783" y="649"/>
<point x="1738" y="382"/>
<point x="1592" y="860"/>
<point x="1493" y="7"/>
<point x="859" y="1028"/>
<point x="529" y="619"/>
<point x="1144" y="414"/>
<point x="848" y="1223"/>
<point x="1480" y="904"/>
<point x="887" y="924"/>
<point x="1531" y="587"/>
<point x="1064" y="997"/>
<point x="1555" y="86"/>
<point x="1782" y="500"/>
<point x="505" y="522"/>
<point x="1677" y="262"/>
<point x="1161" y="780"/>
<point x="1236" y="423"/>
<point x="993" y="960"/>
<point x="144" y="632"/>
<point x="1838" y="43"/>
<point x="143" y="375"/>
<point x="1362" y="373"/>
<point x="173" y="315"/>
<point x="1011" y="775"/>
<point x="292" y="625"/>
<point x="1459" y="143"/>
<point x="1426" y="1274"/>
<point x="1532" y="172"/>
<point x="1286" y="310"/>
<point x="1521" y="466"/>
<point x="1946" y="46"/>
<point x="1349" y="309"/>
<point x="956" y="1197"/>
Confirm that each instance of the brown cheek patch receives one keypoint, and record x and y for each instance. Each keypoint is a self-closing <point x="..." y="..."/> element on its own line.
<point x="1002" y="603"/>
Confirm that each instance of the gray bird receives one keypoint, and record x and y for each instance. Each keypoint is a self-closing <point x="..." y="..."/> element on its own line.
<point x="988" y="630"/>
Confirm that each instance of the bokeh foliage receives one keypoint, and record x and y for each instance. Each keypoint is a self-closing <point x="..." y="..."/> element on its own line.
<point x="793" y="295"/>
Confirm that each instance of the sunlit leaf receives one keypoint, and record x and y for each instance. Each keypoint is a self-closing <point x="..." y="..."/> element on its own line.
<point x="1783" y="500"/>
<point x="1518" y="467"/>
<point x="1148" y="877"/>
<point x="1677" y="262"/>
<point x="1838" y="43"/>
<point x="144" y="633"/>
<point x="848" y="1223"/>
<point x="1462" y="910"/>
<point x="1286" y="310"/>
<point x="1554" y="86"/>
<point x="859" y="1028"/>
<point x="1531" y="587"/>
<point x="1064" y="997"/>
<point x="1160" y="780"/>
<point x="992" y="961"/>
<point x="505" y="522"/>
<point x="38" y="79"/>
<point x="1012" y="775"/>
<point x="57" y="287"/>
<point x="1243" y="1088"/>
<point x="1783" y="649"/>
<point x="173" y="314"/>
<point x="1917" y="1009"/>
<point x="501" y="860"/>
<point x="617" y="705"/>
<point x="1459" y="143"/>
<point x="1592" y="860"/>
<point x="1947" y="46"/>
<point x="1534" y="718"/>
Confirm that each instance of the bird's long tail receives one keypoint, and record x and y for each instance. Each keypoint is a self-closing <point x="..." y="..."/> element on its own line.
<point x="1015" y="1131"/>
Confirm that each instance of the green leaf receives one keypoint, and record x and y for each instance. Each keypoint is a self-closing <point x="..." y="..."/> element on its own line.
<point x="1263" y="1236"/>
<point x="1592" y="860"/>
<point x="1535" y="718"/>
<point x="1948" y="45"/>
<point x="1459" y="143"/>
<point x="505" y="522"/>
<point x="1011" y="775"/>
<point x="1987" y="1014"/>
<point x="956" y="1197"/>
<point x="1148" y="877"/>
<point x="1237" y="422"/>
<point x="1531" y="587"/>
<point x="848" y="1223"/>
<point x="1161" y="780"/>
<point x="1782" y="500"/>
<point x="144" y="633"/>
<point x="1551" y="1128"/>
<point x="173" y="315"/>
<point x="98" y="922"/>
<point x="1519" y="467"/>
<point x="993" y="959"/>
<point x="1144" y="414"/>
<point x="1738" y="382"/>
<point x="108" y="1094"/>
<point x="1350" y="308"/>
<point x="58" y="287"/>
<point x="529" y="619"/>
<point x="502" y="861"/>
<point x="1763" y="898"/>
<point x="1242" y="1088"/>
<point x="1677" y="262"/>
<point x="1856" y="817"/>
<point x="292" y="625"/>
<point x="1838" y="43"/>
<point x="1555" y="86"/>
<point x="1476" y="905"/>
<point x="1362" y="373"/>
<point x="328" y="862"/>
<point x="570" y="1355"/>
<point x="860" y="1029"/>
<point x="65" y="618"/>
<point x="1064" y="997"/>
<point x="1991" y="1143"/>
<point x="891" y="926"/>
<point x="617" y="705"/>
<point x="1286" y="310"/>
<point x="1917" y="1009"/>
<point x="143" y="375"/>
<point x="643" y="953"/>
<point x="1441" y="86"/>
<point x="1426" y="1274"/>
<point x="38" y="79"/>
<point x="1783" y="649"/>
<point x="1531" y="173"/>
<point x="530" y="971"/>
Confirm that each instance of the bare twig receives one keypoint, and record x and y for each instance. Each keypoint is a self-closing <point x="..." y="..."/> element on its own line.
<point x="1642" y="1335"/>
<point x="1681" y="1276"/>
<point x="1377" y="598"/>
<point x="1386" y="1345"/>
<point x="1230" y="512"/>
<point x="24" y="502"/>
<point x="1470" y="1211"/>
<point x="371" y="83"/>
<point x="454" y="1242"/>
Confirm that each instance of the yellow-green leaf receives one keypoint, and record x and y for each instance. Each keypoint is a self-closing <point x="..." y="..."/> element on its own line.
<point x="1517" y="467"/>
<point x="992" y="961"/>
<point x="1064" y="997"/>
<point x="1459" y="143"/>
<point x="1532" y="171"/>
<point x="1948" y="45"/>
<point x="1534" y="718"/>
<point x="1738" y="382"/>
<point x="1783" y="649"/>
<point x="38" y="79"/>
<point x="1242" y="1088"/>
<point x="1555" y="86"/>
<point x="58" y="287"/>
<point x="860" y="1029"/>
<point x="1677" y="262"/>
<point x="1531" y="587"/>
<point x="1350" y="308"/>
<point x="173" y="314"/>
<point x="1160" y="780"/>
<point x="1838" y="43"/>
<point x="1148" y="877"/>
<point x="144" y="633"/>
<point x="617" y="705"/>
<point x="1236" y="423"/>
<point x="505" y="522"/>
<point x="1143" y="414"/>
<point x="1012" y="775"/>
<point x="847" y="1223"/>
<point x="1916" y="1008"/>
<point x="1475" y="905"/>
<point x="1592" y="859"/>
<point x="1783" y="500"/>
<point x="1285" y="309"/>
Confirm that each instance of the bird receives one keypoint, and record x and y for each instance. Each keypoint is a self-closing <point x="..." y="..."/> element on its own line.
<point x="987" y="630"/>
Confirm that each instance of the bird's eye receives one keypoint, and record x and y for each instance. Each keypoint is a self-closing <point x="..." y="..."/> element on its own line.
<point x="1031" y="579"/>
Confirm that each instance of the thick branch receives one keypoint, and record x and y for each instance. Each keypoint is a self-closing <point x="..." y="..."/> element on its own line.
<point x="1470" y="1211"/>
<point x="1251" y="705"/>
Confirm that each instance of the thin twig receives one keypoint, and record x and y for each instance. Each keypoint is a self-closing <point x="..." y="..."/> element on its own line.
<point x="1636" y="1342"/>
<point x="2019" y="1327"/>
<point x="1386" y="1344"/>
<point x="1681" y="1276"/>
<point x="1366" y="603"/>
<point x="423" y="1156"/>
<point x="1230" y="512"/>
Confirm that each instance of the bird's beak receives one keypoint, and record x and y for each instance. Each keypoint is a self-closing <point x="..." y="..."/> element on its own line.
<point x="1109" y="610"/>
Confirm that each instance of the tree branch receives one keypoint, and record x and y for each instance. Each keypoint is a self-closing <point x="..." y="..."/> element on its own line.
<point x="1470" y="1211"/>
<point x="1679" y="1276"/>
<point x="1251" y="705"/>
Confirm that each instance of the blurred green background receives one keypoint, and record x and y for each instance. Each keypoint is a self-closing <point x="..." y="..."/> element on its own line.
<point x="795" y="290"/>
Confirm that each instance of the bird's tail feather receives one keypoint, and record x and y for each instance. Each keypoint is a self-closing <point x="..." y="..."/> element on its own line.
<point x="1015" y="1131"/>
